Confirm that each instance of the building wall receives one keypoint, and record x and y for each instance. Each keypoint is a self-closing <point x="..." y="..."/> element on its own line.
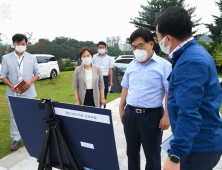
<point x="117" y="40"/>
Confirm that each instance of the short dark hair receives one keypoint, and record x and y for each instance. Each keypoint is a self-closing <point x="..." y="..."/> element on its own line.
<point x="84" y="50"/>
<point x="19" y="38"/>
<point x="101" y="43"/>
<point x="143" y="32"/>
<point x="174" y="21"/>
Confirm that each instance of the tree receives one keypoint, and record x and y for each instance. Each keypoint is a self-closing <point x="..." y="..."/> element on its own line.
<point x="204" y="44"/>
<point x="216" y="28"/>
<point x="42" y="46"/>
<point x="30" y="37"/>
<point x="218" y="56"/>
<point x="64" y="47"/>
<point x="149" y="12"/>
<point x="218" y="60"/>
<point x="116" y="46"/>
<point x="215" y="50"/>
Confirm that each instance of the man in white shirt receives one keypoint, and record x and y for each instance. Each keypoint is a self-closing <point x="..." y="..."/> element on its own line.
<point x="105" y="62"/>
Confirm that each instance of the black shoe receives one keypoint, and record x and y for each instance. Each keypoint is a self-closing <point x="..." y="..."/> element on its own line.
<point x="14" y="145"/>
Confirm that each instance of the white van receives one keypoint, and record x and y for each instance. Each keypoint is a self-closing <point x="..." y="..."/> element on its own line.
<point x="48" y="65"/>
<point x="123" y="61"/>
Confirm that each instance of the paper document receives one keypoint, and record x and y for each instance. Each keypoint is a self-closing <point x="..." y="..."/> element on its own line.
<point x="166" y="144"/>
<point x="109" y="89"/>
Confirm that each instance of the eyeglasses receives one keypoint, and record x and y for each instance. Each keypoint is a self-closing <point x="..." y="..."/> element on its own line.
<point x="139" y="46"/>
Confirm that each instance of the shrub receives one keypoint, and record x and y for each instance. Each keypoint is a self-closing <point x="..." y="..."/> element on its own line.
<point x="70" y="68"/>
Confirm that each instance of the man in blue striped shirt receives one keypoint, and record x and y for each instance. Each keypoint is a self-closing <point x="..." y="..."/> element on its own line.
<point x="144" y="87"/>
<point x="105" y="62"/>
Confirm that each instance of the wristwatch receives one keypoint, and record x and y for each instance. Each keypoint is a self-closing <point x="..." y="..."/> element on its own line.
<point x="174" y="159"/>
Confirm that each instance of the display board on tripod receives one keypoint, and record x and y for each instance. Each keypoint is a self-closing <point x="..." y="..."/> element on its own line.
<point x="88" y="130"/>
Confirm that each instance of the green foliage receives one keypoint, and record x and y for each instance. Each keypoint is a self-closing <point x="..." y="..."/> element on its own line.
<point x="204" y="44"/>
<point x="63" y="47"/>
<point x="215" y="50"/>
<point x="64" y="65"/>
<point x="218" y="56"/>
<point x="4" y="49"/>
<point x="116" y="46"/>
<point x="219" y="76"/>
<point x="216" y="28"/>
<point x="149" y="12"/>
<point x="70" y="68"/>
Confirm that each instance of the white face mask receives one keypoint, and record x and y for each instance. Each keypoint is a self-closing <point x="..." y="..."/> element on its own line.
<point x="141" y="55"/>
<point x="101" y="51"/>
<point x="20" y="48"/>
<point x="166" y="50"/>
<point x="87" y="61"/>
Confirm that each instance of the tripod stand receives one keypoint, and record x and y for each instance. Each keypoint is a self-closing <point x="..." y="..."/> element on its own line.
<point x="53" y="125"/>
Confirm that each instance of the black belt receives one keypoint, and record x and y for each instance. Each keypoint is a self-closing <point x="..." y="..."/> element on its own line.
<point x="142" y="110"/>
<point x="105" y="76"/>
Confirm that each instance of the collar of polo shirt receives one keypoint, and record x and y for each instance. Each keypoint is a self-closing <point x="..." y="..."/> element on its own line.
<point x="100" y="56"/>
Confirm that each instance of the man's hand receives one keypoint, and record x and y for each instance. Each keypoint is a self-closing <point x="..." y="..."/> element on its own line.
<point x="78" y="102"/>
<point x="169" y="165"/>
<point x="27" y="85"/>
<point x="13" y="89"/>
<point x="164" y="122"/>
<point x="121" y="113"/>
<point x="110" y="83"/>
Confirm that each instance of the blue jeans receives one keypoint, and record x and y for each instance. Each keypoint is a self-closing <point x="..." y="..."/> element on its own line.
<point x="143" y="129"/>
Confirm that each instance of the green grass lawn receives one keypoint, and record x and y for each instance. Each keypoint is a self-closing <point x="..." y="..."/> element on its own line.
<point x="59" y="89"/>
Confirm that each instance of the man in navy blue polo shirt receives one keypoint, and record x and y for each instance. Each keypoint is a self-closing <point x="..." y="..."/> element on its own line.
<point x="144" y="87"/>
<point x="194" y="95"/>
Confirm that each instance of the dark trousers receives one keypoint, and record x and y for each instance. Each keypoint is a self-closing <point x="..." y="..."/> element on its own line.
<point x="200" y="161"/>
<point x="106" y="84"/>
<point x="143" y="129"/>
<point x="89" y="100"/>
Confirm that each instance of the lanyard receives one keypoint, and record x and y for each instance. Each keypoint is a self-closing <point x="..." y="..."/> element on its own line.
<point x="20" y="63"/>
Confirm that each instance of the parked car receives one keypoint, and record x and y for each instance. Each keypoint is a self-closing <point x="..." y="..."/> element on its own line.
<point x="123" y="61"/>
<point x="48" y="65"/>
<point x="79" y="63"/>
<point x="113" y="58"/>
